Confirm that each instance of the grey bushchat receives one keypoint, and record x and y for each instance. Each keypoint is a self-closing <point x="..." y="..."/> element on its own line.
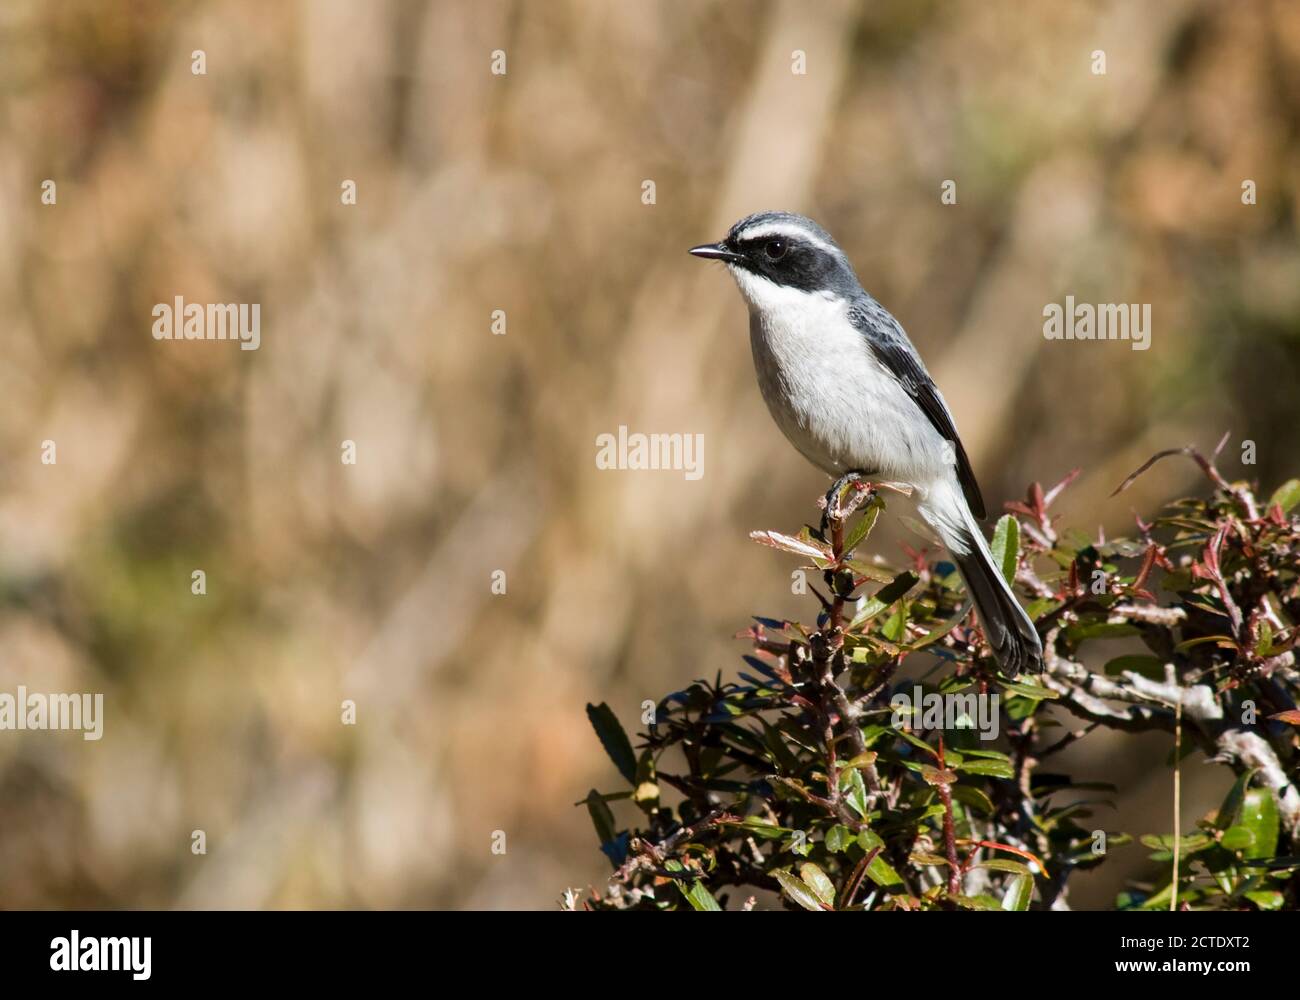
<point x="847" y="388"/>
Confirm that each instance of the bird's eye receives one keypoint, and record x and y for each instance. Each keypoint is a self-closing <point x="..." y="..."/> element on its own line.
<point x="775" y="249"/>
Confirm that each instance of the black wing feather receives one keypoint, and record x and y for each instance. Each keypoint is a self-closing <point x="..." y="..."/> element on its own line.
<point x="890" y="344"/>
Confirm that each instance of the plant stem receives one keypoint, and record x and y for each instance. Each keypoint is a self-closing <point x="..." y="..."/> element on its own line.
<point x="949" y="836"/>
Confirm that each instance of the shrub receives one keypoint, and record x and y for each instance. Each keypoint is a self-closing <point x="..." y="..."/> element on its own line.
<point x="809" y="775"/>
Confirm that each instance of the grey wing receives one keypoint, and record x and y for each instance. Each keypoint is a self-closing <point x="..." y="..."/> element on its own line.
<point x="890" y="345"/>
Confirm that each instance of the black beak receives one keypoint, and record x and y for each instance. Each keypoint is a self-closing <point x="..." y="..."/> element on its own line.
<point x="716" y="251"/>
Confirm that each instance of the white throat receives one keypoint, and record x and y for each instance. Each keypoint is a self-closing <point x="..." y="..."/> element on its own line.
<point x="783" y="306"/>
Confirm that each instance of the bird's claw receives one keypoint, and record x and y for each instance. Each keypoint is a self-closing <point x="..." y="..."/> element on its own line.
<point x="835" y="508"/>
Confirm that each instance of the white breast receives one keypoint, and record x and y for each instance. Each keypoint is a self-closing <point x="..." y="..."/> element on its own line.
<point x="827" y="392"/>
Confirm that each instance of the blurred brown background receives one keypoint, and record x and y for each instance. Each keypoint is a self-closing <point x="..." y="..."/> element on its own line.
<point x="476" y="452"/>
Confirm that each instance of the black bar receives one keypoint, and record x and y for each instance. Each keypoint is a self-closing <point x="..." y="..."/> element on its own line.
<point x="336" y="949"/>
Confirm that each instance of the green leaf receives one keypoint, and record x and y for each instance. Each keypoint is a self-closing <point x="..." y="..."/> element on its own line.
<point x="1024" y="689"/>
<point x="981" y="902"/>
<point x="988" y="768"/>
<point x="1259" y="816"/>
<point x="613" y="739"/>
<point x="989" y="754"/>
<point x="761" y="828"/>
<point x="879" y="871"/>
<point x="883" y="598"/>
<point x="917" y="742"/>
<point x="1100" y="630"/>
<point x="896" y="627"/>
<point x="696" y="894"/>
<point x="1232" y="801"/>
<point x="1224" y="641"/>
<point x="699" y="897"/>
<point x="817" y="881"/>
<point x="1265" y="646"/>
<point x="878" y="574"/>
<point x="1160" y="900"/>
<point x="869" y="840"/>
<point x="1286" y="496"/>
<point x="1006" y="546"/>
<point x="882" y="873"/>
<point x="901" y="584"/>
<point x="797" y="891"/>
<point x="839" y="838"/>
<point x="854" y="789"/>
<point x="1238" y="838"/>
<point x="1147" y="666"/>
<point x="1265" y="899"/>
<point x="972" y="797"/>
<point x="1020" y="890"/>
<point x="1005" y="865"/>
<point x="1188" y="845"/>
<point x="859" y="532"/>
<point x="940" y="630"/>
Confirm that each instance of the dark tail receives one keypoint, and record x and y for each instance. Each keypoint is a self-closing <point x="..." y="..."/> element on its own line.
<point x="1012" y="635"/>
<point x="1009" y="631"/>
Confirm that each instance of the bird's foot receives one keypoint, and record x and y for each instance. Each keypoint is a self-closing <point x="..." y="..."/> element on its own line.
<point x="836" y="506"/>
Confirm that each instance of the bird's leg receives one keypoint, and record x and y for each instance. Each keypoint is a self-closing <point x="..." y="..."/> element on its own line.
<point x="831" y="507"/>
<point x="834" y="514"/>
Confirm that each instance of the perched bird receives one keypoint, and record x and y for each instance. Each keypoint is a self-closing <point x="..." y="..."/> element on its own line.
<point x="845" y="385"/>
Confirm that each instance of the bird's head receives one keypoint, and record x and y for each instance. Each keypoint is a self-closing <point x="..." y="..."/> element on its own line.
<point x="776" y="255"/>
